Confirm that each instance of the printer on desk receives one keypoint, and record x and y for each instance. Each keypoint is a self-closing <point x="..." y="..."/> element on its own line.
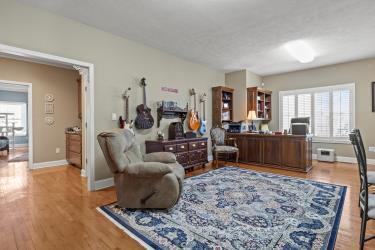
<point x="300" y="126"/>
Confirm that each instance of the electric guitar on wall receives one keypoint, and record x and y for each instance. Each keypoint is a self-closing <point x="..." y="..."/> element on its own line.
<point x="203" y="122"/>
<point x="128" y="124"/>
<point x="144" y="119"/>
<point x="193" y="114"/>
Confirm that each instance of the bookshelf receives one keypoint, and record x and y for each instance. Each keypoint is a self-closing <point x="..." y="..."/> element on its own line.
<point x="259" y="99"/>
<point x="222" y="105"/>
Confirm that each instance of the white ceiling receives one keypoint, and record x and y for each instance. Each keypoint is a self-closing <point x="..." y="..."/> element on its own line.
<point x="234" y="34"/>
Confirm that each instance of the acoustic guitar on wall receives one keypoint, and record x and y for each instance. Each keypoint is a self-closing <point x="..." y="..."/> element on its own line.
<point x="144" y="119"/>
<point x="203" y="122"/>
<point x="193" y="114"/>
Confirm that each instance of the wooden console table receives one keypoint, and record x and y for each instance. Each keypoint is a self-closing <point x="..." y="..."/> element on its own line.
<point x="189" y="152"/>
<point x="290" y="152"/>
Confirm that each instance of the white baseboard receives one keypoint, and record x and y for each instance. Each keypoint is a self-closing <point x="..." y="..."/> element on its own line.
<point x="24" y="145"/>
<point x="83" y="172"/>
<point x="347" y="159"/>
<point x="105" y="183"/>
<point x="48" y="164"/>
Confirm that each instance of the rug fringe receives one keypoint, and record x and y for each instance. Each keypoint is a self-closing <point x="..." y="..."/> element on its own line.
<point x="100" y="210"/>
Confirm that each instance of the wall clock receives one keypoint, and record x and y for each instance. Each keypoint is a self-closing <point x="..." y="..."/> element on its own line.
<point x="49" y="98"/>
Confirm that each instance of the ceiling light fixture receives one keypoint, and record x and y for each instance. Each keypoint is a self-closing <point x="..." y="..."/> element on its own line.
<point x="301" y="51"/>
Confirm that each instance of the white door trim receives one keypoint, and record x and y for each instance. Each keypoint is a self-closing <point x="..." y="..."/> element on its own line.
<point x="29" y="115"/>
<point x="89" y="100"/>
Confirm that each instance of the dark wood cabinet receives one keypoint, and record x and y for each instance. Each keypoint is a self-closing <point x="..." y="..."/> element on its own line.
<point x="189" y="152"/>
<point x="272" y="152"/>
<point x="74" y="149"/>
<point x="291" y="152"/>
<point x="260" y="100"/>
<point x="222" y="105"/>
<point x="296" y="152"/>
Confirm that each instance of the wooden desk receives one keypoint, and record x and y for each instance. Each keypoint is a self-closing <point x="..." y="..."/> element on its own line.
<point x="290" y="152"/>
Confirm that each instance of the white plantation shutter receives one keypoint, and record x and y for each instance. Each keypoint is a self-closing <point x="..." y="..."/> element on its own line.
<point x="341" y="112"/>
<point x="304" y="106"/>
<point x="330" y="108"/>
<point x="289" y="110"/>
<point x="321" y="114"/>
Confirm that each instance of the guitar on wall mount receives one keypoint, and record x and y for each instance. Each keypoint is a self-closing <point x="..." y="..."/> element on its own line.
<point x="128" y="124"/>
<point x="144" y="119"/>
<point x="203" y="125"/>
<point x="193" y="114"/>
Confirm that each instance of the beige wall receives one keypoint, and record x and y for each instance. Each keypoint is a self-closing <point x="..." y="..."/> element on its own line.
<point x="239" y="81"/>
<point x="47" y="79"/>
<point x="362" y="73"/>
<point x="253" y="80"/>
<point x="119" y="63"/>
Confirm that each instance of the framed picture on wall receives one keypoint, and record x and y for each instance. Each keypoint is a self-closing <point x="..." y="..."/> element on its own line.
<point x="373" y="96"/>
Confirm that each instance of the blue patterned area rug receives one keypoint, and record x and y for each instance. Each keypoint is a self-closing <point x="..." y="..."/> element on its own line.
<point x="234" y="208"/>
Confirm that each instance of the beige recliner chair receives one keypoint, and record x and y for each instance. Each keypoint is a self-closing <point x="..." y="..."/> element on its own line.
<point x="150" y="181"/>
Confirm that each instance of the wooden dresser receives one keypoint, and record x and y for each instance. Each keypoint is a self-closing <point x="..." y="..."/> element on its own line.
<point x="189" y="152"/>
<point x="74" y="149"/>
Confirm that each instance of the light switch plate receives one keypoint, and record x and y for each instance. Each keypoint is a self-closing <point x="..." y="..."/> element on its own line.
<point x="371" y="149"/>
<point x="57" y="150"/>
<point x="114" y="117"/>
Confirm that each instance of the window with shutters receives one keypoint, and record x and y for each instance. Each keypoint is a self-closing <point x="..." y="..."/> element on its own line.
<point x="330" y="108"/>
<point x="288" y="110"/>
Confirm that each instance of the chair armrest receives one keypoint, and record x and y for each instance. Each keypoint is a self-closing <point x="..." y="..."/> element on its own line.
<point x="164" y="157"/>
<point x="233" y="140"/>
<point x="148" y="169"/>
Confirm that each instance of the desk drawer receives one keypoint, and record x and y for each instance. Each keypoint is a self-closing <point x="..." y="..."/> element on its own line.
<point x="202" y="144"/>
<point x="170" y="148"/>
<point x="182" y="147"/>
<point x="74" y="137"/>
<point x="193" y="145"/>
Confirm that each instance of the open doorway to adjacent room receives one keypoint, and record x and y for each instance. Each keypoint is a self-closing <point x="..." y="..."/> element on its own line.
<point x="46" y="113"/>
<point x="15" y="120"/>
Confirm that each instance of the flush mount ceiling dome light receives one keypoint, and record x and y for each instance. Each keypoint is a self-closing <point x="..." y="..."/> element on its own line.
<point x="301" y="51"/>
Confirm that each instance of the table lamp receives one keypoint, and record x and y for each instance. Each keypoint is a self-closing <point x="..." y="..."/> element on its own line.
<point x="252" y="116"/>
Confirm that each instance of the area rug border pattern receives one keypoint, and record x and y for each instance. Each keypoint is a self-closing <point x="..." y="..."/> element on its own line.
<point x="133" y="233"/>
<point x="148" y="244"/>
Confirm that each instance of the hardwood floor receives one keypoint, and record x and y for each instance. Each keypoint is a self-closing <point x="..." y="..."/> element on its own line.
<point x="4" y="157"/>
<point x="52" y="209"/>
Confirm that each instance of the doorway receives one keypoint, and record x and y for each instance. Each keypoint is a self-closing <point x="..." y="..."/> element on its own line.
<point x="16" y="140"/>
<point x="86" y="70"/>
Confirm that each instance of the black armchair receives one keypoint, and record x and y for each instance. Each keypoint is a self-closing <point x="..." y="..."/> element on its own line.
<point x="4" y="144"/>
